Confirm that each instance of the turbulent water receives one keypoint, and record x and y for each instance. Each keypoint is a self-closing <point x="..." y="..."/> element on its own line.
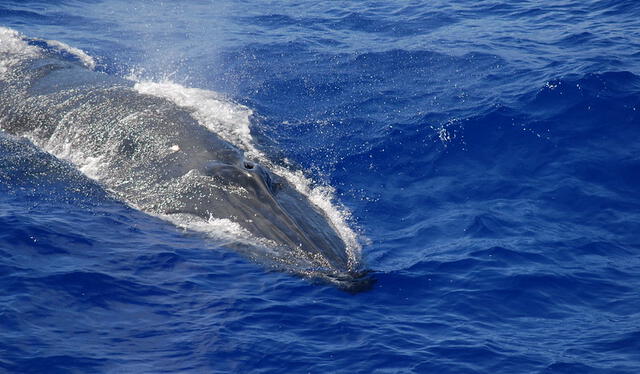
<point x="482" y="158"/>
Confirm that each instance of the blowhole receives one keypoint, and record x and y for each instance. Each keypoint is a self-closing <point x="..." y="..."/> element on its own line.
<point x="248" y="165"/>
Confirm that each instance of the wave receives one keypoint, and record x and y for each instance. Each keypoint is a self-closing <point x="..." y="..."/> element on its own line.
<point x="557" y="164"/>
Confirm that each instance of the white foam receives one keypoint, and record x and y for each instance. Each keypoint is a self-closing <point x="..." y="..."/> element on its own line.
<point x="228" y="120"/>
<point x="87" y="60"/>
<point x="13" y="50"/>
<point x="91" y="166"/>
<point x="231" y="121"/>
<point x="222" y="230"/>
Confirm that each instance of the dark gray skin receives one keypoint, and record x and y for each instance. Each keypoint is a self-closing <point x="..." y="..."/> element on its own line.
<point x="59" y="102"/>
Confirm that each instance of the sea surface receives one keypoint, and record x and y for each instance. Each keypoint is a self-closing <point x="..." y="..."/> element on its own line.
<point x="485" y="153"/>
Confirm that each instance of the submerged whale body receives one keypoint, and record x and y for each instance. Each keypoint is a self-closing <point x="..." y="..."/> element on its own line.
<point x="154" y="155"/>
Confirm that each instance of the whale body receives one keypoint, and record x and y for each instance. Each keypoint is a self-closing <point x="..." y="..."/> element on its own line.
<point x="156" y="157"/>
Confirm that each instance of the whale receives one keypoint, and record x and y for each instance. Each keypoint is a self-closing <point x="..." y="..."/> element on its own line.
<point x="155" y="155"/>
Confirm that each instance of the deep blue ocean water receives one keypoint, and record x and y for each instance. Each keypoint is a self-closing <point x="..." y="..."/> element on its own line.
<point x="488" y="151"/>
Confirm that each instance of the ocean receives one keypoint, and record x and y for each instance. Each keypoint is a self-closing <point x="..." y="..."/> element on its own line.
<point x="480" y="158"/>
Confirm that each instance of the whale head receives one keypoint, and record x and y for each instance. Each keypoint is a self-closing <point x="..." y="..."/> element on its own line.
<point x="300" y="237"/>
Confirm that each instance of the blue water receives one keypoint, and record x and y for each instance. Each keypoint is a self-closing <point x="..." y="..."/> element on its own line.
<point x="488" y="152"/>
